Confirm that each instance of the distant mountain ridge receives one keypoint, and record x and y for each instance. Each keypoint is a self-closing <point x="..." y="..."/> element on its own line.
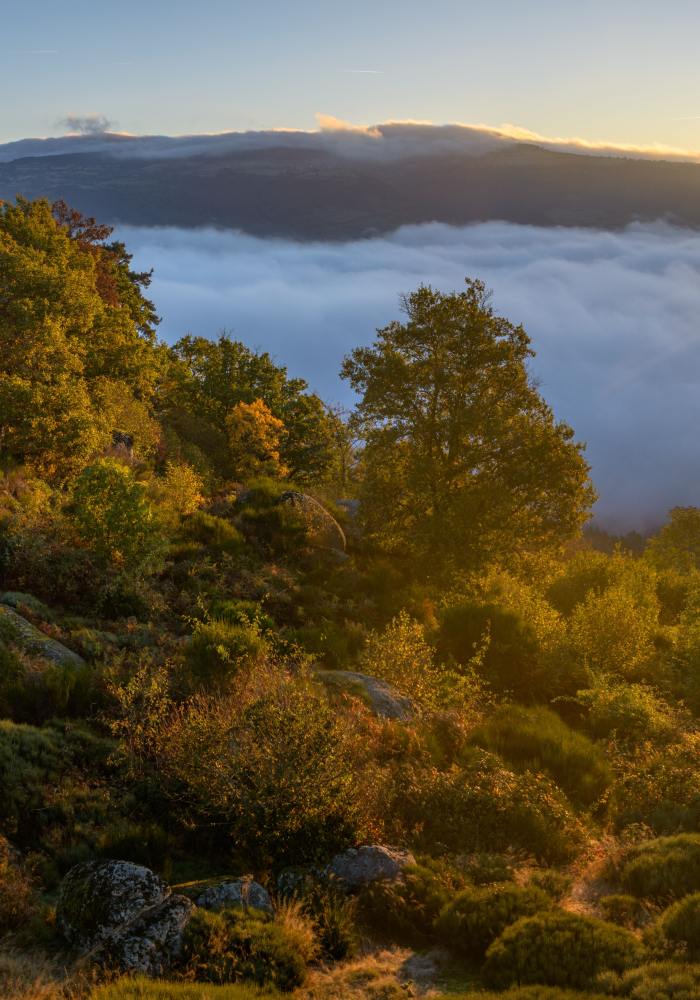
<point x="307" y="193"/>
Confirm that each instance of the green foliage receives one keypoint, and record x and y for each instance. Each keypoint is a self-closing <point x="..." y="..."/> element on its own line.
<point x="113" y="516"/>
<point x="665" y="868"/>
<point x="509" y="661"/>
<point x="552" y="882"/>
<point x="144" y="988"/>
<point x="237" y="612"/>
<point x="242" y="944"/>
<point x="536" y="739"/>
<point x="45" y="690"/>
<point x="594" y="573"/>
<point x="217" y="650"/>
<point x="475" y="918"/>
<point x="678" y="928"/>
<point x="465" y="460"/>
<point x="630" y="711"/>
<point x="142" y="843"/>
<point x="273" y="525"/>
<point x="654" y="981"/>
<point x="406" y="911"/>
<point x="677" y="546"/>
<point x="218" y="534"/>
<point x="621" y="909"/>
<point x="16" y="600"/>
<point x="559" y="949"/>
<point x="486" y="869"/>
<point x="483" y="806"/>
<point x="333" y="914"/>
<point x="15" y="896"/>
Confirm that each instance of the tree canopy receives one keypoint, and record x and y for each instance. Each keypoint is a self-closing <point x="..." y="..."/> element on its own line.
<point x="465" y="460"/>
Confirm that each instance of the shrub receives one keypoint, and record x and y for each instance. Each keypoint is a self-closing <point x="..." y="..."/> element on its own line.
<point x="406" y="911"/>
<point x="216" y="533"/>
<point x="475" y="918"/>
<point x="217" y="650"/>
<point x="552" y="882"/>
<point x="559" y="949"/>
<point x="182" y="486"/>
<point x="489" y="868"/>
<point x="142" y="843"/>
<point x="655" y="981"/>
<point x="15" y="897"/>
<point x="663" y="868"/>
<point x="241" y="944"/>
<point x="482" y="806"/>
<point x="333" y="914"/>
<point x="44" y="690"/>
<point x="679" y="928"/>
<point x="236" y="612"/>
<point x="509" y="662"/>
<point x="611" y="632"/>
<point x="112" y="513"/>
<point x="631" y="711"/>
<point x="16" y="600"/>
<point x="535" y="739"/>
<point x="620" y="909"/>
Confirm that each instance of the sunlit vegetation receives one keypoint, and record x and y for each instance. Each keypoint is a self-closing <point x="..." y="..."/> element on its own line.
<point x="542" y="763"/>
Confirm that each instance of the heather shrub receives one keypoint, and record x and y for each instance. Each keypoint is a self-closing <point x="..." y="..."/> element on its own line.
<point x="665" y="868"/>
<point x="621" y="909"/>
<point x="481" y="806"/>
<point x="217" y="650"/>
<point x="406" y="912"/>
<point x="476" y="917"/>
<point x="653" y="981"/>
<point x="552" y="882"/>
<point x="16" y="600"/>
<point x="678" y="929"/>
<point x="237" y="943"/>
<point x="216" y="533"/>
<point x="559" y="949"/>
<point x="536" y="739"/>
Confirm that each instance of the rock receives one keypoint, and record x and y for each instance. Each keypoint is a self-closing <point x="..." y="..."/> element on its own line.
<point x="242" y="891"/>
<point x="99" y="899"/>
<point x="323" y="531"/>
<point x="358" y="867"/>
<point x="381" y="697"/>
<point x="149" y="944"/>
<point x="32" y="640"/>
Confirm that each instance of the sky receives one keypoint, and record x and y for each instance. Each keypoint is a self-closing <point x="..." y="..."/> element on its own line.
<point x="613" y="319"/>
<point x="623" y="71"/>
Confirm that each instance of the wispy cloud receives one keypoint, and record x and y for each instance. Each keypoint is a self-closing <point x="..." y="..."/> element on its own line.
<point x="612" y="317"/>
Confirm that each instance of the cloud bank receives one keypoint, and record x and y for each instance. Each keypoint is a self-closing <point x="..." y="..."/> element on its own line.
<point x="92" y="124"/>
<point x="388" y="141"/>
<point x="613" y="318"/>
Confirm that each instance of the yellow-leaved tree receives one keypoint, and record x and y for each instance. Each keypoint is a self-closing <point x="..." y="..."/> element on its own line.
<point x="254" y="436"/>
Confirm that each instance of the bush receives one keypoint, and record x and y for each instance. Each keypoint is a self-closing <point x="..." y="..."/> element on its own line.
<point x="559" y="949"/>
<point x="631" y="711"/>
<point x="510" y="660"/>
<point x="333" y="914"/>
<point x="474" y="919"/>
<point x="678" y="928"/>
<point x="482" y="806"/>
<point x="489" y="868"/>
<point x="665" y="868"/>
<point x="236" y="612"/>
<point x="655" y="981"/>
<point x="241" y="944"/>
<point x="274" y="525"/>
<point x="552" y="882"/>
<point x="16" y="600"/>
<point x="142" y="843"/>
<point x="218" y="650"/>
<point x="406" y="911"/>
<point x="15" y="897"/>
<point x="535" y="739"/>
<point x="218" y="534"/>
<point x="621" y="910"/>
<point x="45" y="690"/>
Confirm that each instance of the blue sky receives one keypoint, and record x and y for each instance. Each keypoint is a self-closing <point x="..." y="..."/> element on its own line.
<point x="616" y="71"/>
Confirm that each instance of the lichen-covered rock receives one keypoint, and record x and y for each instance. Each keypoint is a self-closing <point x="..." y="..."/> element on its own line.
<point x="245" y="892"/>
<point x="149" y="944"/>
<point x="322" y="529"/>
<point x="381" y="697"/>
<point x="32" y="640"/>
<point x="358" y="867"/>
<point x="99" y="899"/>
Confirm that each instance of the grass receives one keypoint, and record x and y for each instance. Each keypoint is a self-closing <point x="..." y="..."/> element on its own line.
<point x="141" y="988"/>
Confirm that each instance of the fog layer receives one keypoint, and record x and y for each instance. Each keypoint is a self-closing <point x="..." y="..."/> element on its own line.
<point x="613" y="317"/>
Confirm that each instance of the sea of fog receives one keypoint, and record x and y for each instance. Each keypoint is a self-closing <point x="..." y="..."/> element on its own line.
<point x="614" y="319"/>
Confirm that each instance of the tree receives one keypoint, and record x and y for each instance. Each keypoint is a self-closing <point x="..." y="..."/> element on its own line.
<point x="466" y="460"/>
<point x="76" y="337"/>
<point x="677" y="545"/>
<point x="255" y="438"/>
<point x="209" y="378"/>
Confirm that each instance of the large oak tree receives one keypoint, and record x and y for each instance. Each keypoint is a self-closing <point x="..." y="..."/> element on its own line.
<point x="465" y="461"/>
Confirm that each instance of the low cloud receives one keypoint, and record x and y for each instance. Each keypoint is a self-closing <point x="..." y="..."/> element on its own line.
<point x="92" y="124"/>
<point x="613" y="318"/>
<point x="392" y="140"/>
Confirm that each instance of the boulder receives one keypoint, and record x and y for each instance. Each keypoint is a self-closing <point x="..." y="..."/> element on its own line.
<point x="358" y="867"/>
<point x="377" y="694"/>
<point x="322" y="529"/>
<point x="124" y="912"/>
<point x="32" y="640"/>
<point x="244" y="891"/>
